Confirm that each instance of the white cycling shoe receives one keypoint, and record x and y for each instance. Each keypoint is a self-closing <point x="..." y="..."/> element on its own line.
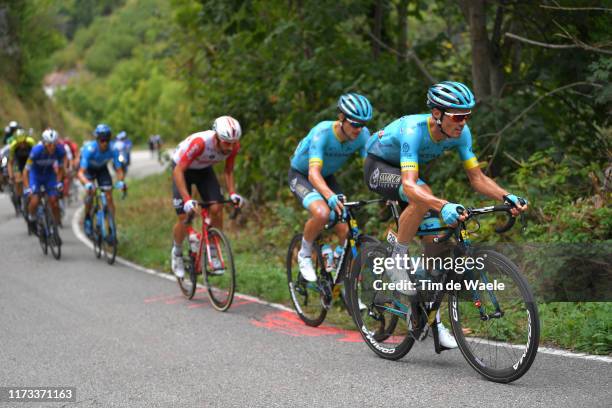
<point x="446" y="339"/>
<point x="306" y="268"/>
<point x="216" y="263"/>
<point x="177" y="264"/>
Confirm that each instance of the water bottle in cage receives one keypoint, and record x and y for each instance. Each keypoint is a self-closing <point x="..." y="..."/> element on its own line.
<point x="194" y="240"/>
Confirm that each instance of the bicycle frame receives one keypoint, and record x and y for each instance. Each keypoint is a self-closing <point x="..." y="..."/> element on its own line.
<point x="462" y="248"/>
<point x="204" y="234"/>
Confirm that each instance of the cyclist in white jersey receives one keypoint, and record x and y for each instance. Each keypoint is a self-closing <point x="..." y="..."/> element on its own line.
<point x="192" y="164"/>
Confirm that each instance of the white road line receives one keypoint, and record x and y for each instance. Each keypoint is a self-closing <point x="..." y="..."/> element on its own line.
<point x="81" y="236"/>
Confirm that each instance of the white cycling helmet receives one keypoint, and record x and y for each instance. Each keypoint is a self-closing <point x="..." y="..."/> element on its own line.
<point x="227" y="128"/>
<point x="49" y="136"/>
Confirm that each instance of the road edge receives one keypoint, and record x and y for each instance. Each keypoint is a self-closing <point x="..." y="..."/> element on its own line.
<point x="81" y="237"/>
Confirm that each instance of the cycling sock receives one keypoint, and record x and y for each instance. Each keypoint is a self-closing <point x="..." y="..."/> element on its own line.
<point x="177" y="248"/>
<point x="399" y="249"/>
<point x="306" y="249"/>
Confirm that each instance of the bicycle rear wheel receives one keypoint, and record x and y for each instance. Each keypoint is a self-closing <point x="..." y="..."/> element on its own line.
<point x="53" y="239"/>
<point x="497" y="331"/>
<point x="221" y="278"/>
<point x="109" y="240"/>
<point x="381" y="316"/>
<point x="187" y="283"/>
<point x="307" y="297"/>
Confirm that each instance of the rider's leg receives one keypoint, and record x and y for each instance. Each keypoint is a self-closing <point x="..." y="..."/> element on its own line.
<point x="216" y="215"/>
<point x="319" y="216"/>
<point x="34" y="200"/>
<point x="18" y="183"/>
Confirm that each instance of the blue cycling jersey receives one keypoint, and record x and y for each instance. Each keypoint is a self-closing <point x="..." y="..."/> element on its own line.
<point x="92" y="158"/>
<point x="408" y="141"/>
<point x="322" y="145"/>
<point x="41" y="163"/>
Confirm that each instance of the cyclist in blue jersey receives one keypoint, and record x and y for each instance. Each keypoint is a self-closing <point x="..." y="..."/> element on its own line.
<point x="45" y="167"/>
<point x="392" y="170"/>
<point x="95" y="155"/>
<point x="318" y="156"/>
<point x="123" y="146"/>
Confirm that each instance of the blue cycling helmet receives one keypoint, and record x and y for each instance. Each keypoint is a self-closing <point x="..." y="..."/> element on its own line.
<point x="449" y="95"/>
<point x="121" y="135"/>
<point x="355" y="106"/>
<point x="103" y="132"/>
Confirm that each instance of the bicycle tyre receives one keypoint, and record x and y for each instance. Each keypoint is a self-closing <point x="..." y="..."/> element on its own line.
<point x="53" y="239"/>
<point x="312" y="315"/>
<point x="41" y="231"/>
<point x="97" y="234"/>
<point x="376" y="335"/>
<point x="221" y="288"/>
<point x="462" y="325"/>
<point x="387" y="325"/>
<point x="187" y="283"/>
<point x="109" y="241"/>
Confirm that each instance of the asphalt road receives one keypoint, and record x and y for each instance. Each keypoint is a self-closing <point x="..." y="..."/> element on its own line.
<point x="127" y="338"/>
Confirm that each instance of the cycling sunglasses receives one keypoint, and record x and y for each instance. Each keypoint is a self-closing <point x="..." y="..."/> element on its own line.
<point x="459" y="117"/>
<point x="355" y="124"/>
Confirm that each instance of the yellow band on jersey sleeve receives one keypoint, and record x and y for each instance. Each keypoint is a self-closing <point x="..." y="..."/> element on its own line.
<point x="412" y="166"/>
<point x="470" y="163"/>
<point x="315" y="161"/>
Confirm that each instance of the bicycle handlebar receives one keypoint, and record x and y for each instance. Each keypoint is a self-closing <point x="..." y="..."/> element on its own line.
<point x="352" y="204"/>
<point x="205" y="204"/>
<point x="474" y="212"/>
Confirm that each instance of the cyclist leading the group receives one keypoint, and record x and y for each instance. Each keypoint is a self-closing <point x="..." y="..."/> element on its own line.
<point x="392" y="169"/>
<point x="311" y="176"/>
<point x="95" y="155"/>
<point x="45" y="167"/>
<point x="192" y="164"/>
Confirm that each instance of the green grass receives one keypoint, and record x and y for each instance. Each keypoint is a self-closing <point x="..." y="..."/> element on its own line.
<point x="145" y="220"/>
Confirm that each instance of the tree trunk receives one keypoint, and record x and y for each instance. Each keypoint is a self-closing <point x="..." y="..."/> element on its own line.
<point x="402" y="28"/>
<point x="377" y="27"/>
<point x="475" y="12"/>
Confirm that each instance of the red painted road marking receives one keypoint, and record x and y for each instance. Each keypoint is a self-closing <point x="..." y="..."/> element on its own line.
<point x="290" y="324"/>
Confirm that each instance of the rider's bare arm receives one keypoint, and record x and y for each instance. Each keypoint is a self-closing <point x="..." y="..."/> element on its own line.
<point x="485" y="185"/>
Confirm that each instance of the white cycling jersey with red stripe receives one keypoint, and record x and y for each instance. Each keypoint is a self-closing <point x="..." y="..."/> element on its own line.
<point x="198" y="151"/>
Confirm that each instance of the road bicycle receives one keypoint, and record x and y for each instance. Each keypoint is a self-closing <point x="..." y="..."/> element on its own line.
<point x="210" y="256"/>
<point x="104" y="229"/>
<point x="496" y="327"/>
<point x="312" y="300"/>
<point x="46" y="227"/>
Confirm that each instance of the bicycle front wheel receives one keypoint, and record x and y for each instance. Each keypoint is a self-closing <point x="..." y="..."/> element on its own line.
<point x="383" y="317"/>
<point x="109" y="240"/>
<point x="42" y="230"/>
<point x="187" y="283"/>
<point x="220" y="271"/>
<point x="53" y="239"/>
<point x="497" y="328"/>
<point x="307" y="297"/>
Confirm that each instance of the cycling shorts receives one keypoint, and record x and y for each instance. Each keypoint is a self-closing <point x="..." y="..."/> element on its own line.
<point x="305" y="192"/>
<point x="102" y="176"/>
<point x="49" y="181"/>
<point x="385" y="179"/>
<point x="206" y="182"/>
